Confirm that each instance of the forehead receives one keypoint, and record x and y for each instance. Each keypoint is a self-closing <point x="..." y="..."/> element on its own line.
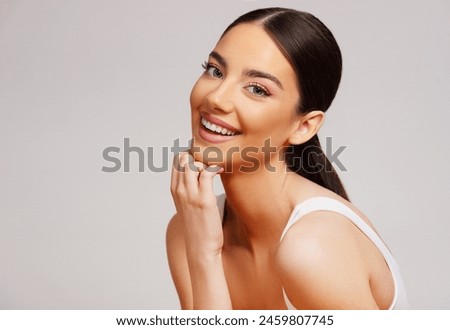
<point x="249" y="46"/>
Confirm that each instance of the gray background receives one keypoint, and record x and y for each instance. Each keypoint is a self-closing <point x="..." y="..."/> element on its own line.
<point x="79" y="76"/>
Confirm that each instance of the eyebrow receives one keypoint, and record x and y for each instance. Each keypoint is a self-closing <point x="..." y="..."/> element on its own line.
<point x="218" y="58"/>
<point x="249" y="73"/>
<point x="261" y="74"/>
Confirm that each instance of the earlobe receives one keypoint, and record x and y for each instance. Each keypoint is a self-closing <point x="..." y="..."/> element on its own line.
<point x="307" y="126"/>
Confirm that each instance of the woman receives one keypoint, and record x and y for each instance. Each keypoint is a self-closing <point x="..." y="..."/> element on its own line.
<point x="256" y="111"/>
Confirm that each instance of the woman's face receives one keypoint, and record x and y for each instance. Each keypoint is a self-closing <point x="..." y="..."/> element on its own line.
<point x="249" y="94"/>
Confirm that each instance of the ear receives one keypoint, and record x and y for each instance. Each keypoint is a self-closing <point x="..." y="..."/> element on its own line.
<point x="306" y="126"/>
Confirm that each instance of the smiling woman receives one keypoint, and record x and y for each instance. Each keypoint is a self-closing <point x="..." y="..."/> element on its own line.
<point x="265" y="88"/>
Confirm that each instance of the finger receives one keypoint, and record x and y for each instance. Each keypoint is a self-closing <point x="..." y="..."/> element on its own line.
<point x="190" y="176"/>
<point x="200" y="166"/>
<point x="174" y="178"/>
<point x="206" y="178"/>
<point x="185" y="158"/>
<point x="177" y="171"/>
<point x="177" y="161"/>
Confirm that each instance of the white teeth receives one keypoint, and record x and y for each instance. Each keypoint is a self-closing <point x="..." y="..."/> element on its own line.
<point x="217" y="128"/>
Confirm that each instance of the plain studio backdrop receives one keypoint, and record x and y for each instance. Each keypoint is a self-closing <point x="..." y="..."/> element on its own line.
<point x="77" y="77"/>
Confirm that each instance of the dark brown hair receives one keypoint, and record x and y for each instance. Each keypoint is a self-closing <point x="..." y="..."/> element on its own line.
<point x="314" y="54"/>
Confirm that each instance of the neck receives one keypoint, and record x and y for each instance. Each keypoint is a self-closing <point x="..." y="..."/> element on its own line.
<point x="259" y="203"/>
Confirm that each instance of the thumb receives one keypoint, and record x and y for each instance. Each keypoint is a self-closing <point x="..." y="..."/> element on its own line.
<point x="206" y="178"/>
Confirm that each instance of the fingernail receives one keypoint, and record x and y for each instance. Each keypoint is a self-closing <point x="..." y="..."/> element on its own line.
<point x="215" y="168"/>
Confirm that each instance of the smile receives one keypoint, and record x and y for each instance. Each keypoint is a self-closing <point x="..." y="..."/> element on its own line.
<point x="217" y="129"/>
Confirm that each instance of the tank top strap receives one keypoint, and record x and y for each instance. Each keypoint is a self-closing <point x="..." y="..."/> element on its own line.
<point x="323" y="203"/>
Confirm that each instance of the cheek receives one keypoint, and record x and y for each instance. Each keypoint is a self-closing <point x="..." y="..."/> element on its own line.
<point x="273" y="123"/>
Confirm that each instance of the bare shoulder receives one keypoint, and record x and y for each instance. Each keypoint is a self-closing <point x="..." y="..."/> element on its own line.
<point x="322" y="264"/>
<point x="176" y="255"/>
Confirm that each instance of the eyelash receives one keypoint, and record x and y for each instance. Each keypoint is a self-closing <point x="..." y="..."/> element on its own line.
<point x="264" y="89"/>
<point x="207" y="66"/>
<point x="265" y="92"/>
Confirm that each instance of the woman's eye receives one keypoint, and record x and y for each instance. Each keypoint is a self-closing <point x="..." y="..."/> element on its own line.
<point x="258" y="90"/>
<point x="212" y="70"/>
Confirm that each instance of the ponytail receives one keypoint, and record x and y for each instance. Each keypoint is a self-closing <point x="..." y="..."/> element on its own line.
<point x="309" y="161"/>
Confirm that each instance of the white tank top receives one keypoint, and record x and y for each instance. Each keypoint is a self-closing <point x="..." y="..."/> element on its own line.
<point x="323" y="203"/>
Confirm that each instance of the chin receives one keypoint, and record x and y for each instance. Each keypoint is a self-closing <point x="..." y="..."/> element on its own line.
<point x="207" y="154"/>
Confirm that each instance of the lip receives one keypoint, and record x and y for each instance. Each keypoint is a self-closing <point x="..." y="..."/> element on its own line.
<point x="219" y="122"/>
<point x="210" y="137"/>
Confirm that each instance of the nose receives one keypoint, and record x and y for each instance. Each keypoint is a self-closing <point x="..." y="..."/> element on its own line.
<point x="221" y="98"/>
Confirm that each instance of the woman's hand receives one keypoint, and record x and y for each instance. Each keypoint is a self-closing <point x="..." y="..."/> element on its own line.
<point x="192" y="191"/>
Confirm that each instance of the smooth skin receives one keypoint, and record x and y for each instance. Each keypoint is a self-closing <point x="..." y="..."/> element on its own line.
<point x="324" y="261"/>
